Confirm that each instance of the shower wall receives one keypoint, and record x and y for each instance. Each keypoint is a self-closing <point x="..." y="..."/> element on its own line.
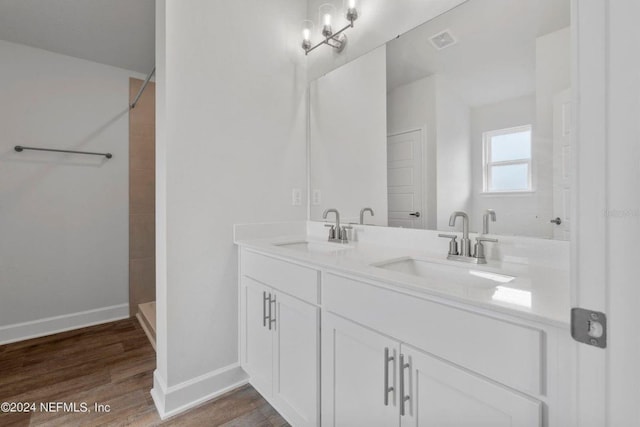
<point x="142" y="244"/>
<point x="63" y="217"/>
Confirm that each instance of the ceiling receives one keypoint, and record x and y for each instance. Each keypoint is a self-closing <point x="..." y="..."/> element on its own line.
<point x="495" y="55"/>
<point x="120" y="33"/>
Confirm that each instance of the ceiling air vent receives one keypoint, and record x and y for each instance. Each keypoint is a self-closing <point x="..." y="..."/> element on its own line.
<point x="443" y="40"/>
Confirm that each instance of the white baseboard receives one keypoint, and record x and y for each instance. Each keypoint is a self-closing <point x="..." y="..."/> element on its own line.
<point x="67" y="322"/>
<point x="173" y="400"/>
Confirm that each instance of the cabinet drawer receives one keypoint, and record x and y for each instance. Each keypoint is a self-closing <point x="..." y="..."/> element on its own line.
<point x="503" y="351"/>
<point x="293" y="279"/>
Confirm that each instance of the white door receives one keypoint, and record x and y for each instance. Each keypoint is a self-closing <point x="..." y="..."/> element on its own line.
<point x="404" y="180"/>
<point x="353" y="376"/>
<point x="296" y="364"/>
<point x="562" y="165"/>
<point x="441" y="395"/>
<point x="257" y="340"/>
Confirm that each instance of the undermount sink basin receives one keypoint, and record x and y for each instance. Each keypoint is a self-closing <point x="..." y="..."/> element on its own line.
<point x="460" y="274"/>
<point x="314" y="247"/>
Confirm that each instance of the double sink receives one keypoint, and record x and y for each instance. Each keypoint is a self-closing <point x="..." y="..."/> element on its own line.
<point x="408" y="265"/>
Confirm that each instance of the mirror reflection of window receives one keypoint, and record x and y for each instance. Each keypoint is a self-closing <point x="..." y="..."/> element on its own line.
<point x="507" y="160"/>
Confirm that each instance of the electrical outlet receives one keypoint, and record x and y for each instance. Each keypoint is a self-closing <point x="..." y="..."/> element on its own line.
<point x="296" y="197"/>
<point x="316" y="198"/>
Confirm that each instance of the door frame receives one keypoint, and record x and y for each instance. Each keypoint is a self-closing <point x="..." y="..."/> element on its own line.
<point x="588" y="235"/>
<point x="423" y="164"/>
<point x="604" y="246"/>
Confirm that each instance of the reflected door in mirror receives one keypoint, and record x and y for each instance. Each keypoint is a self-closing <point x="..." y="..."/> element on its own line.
<point x="404" y="179"/>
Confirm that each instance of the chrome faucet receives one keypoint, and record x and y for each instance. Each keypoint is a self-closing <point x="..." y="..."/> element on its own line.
<point x="465" y="254"/>
<point x="465" y="243"/>
<point x="488" y="214"/>
<point x="337" y="233"/>
<point x="362" y="211"/>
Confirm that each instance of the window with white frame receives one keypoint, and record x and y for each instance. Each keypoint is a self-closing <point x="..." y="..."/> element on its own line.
<point x="507" y="160"/>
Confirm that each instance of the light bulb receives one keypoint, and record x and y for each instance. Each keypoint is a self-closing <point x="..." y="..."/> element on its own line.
<point x="327" y="11"/>
<point x="306" y="34"/>
<point x="352" y="12"/>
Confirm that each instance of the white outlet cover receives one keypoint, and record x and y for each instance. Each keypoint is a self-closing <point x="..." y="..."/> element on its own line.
<point x="296" y="197"/>
<point x="316" y="198"/>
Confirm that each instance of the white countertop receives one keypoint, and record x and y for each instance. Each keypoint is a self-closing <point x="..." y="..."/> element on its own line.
<point x="538" y="293"/>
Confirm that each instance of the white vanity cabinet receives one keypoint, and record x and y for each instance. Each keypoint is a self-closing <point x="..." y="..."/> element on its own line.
<point x="280" y="337"/>
<point x="440" y="394"/>
<point x="447" y="366"/>
<point x="359" y="375"/>
<point x="257" y="345"/>
<point x="336" y="349"/>
<point x="370" y="379"/>
<point x="296" y="360"/>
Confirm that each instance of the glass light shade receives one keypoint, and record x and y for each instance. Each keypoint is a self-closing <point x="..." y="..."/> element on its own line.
<point x="307" y="30"/>
<point x="350" y="11"/>
<point x="326" y="12"/>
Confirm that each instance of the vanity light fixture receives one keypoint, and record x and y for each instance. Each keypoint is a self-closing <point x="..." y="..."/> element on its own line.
<point x="327" y="12"/>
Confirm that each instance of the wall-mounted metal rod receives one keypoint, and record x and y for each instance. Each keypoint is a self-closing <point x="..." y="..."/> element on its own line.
<point x="142" y="88"/>
<point x="20" y="148"/>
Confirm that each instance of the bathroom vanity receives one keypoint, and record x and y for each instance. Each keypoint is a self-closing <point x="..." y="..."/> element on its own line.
<point x="464" y="124"/>
<point x="385" y="331"/>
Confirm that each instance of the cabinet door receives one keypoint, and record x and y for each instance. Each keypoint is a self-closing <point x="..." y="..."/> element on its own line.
<point x="296" y="362"/>
<point x="257" y="346"/>
<point x="441" y="395"/>
<point x="353" y="376"/>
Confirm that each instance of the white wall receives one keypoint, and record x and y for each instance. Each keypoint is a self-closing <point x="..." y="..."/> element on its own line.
<point x="348" y="144"/>
<point x="231" y="143"/>
<point x="379" y="21"/>
<point x="410" y="107"/>
<point x="63" y="218"/>
<point x="162" y="315"/>
<point x="453" y="153"/>
<point x="553" y="75"/>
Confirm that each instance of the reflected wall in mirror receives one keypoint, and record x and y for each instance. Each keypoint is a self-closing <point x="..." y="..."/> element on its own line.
<point x="467" y="112"/>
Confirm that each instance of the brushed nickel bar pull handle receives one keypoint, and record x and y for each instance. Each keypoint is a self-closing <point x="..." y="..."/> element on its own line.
<point x="265" y="317"/>
<point x="272" y="319"/>
<point x="387" y="389"/>
<point x="403" y="398"/>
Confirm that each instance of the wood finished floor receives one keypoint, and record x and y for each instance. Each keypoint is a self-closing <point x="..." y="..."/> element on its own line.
<point x="108" y="364"/>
